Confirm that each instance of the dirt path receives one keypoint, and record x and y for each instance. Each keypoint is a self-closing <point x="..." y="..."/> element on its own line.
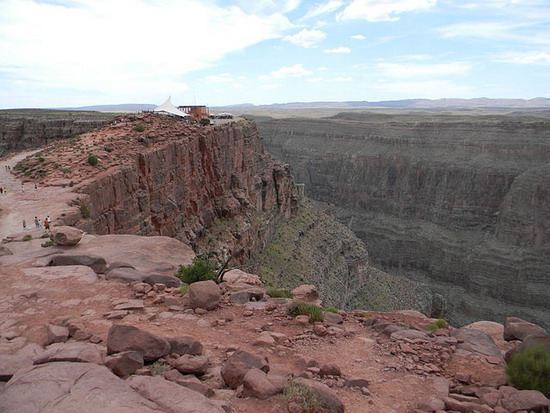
<point x="24" y="202"/>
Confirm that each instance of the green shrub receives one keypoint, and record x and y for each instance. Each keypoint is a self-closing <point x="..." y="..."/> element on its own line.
<point x="309" y="401"/>
<point x="45" y="236"/>
<point x="200" y="270"/>
<point x="440" y="323"/>
<point x="205" y="121"/>
<point x="41" y="159"/>
<point x="300" y="308"/>
<point x="92" y="160"/>
<point x="85" y="212"/>
<point x="279" y="293"/>
<point x="431" y="327"/>
<point x="46" y="244"/>
<point x="139" y="127"/>
<point x="332" y="310"/>
<point x="184" y="289"/>
<point x="530" y="369"/>
<point x="362" y="314"/>
<point x="27" y="237"/>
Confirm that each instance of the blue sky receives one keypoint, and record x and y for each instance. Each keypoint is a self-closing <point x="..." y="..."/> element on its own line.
<point x="56" y="53"/>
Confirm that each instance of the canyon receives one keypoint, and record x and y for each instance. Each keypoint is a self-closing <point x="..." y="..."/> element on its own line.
<point x="459" y="201"/>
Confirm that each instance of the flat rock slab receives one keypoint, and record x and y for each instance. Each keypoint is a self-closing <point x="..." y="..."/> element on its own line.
<point x="71" y="388"/>
<point x="73" y="352"/>
<point x="130" y="305"/>
<point x="476" y="341"/>
<point x="126" y="274"/>
<point x="80" y="272"/>
<point x="172" y="397"/>
<point x="9" y="365"/>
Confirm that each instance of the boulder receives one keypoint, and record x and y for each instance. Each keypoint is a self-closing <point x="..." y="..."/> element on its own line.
<point x="204" y="294"/>
<point x="128" y="338"/>
<point x="256" y="383"/>
<point x="465" y="407"/>
<point x="406" y="335"/>
<point x="96" y="263"/>
<point x="10" y="364"/>
<point x="332" y="318"/>
<point x="189" y="381"/>
<point x="518" y="329"/>
<point x="189" y="364"/>
<point x="306" y="293"/>
<point x="65" y="236"/>
<point x="477" y="342"/>
<point x="431" y="404"/>
<point x="56" y="334"/>
<point x="125" y="363"/>
<point x="236" y="276"/>
<point x="529" y="400"/>
<point x="71" y="388"/>
<point x="73" y="352"/>
<point x="330" y="369"/>
<point x="185" y="345"/>
<point x="529" y="341"/>
<point x="329" y="398"/>
<point x="238" y="365"/>
<point x="125" y="274"/>
<point x="244" y="296"/>
<point x="168" y="280"/>
<point x="172" y="397"/>
<point x="356" y="382"/>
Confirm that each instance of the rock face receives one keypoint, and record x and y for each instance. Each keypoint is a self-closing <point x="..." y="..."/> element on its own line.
<point x="461" y="203"/>
<point x="30" y="128"/>
<point x="210" y="187"/>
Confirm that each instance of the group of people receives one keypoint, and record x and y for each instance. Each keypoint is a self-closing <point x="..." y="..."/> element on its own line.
<point x="7" y="167"/>
<point x="46" y="223"/>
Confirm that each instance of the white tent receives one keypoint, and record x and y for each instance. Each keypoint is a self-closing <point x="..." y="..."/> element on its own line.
<point x="168" y="107"/>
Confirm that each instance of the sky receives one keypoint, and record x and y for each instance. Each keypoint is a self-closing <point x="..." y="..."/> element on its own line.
<point x="62" y="53"/>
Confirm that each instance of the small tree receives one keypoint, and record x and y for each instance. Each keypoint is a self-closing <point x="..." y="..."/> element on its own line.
<point x="205" y="121"/>
<point x="200" y="270"/>
<point x="92" y="160"/>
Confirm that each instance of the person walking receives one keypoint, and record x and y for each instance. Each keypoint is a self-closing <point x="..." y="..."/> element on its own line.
<point x="36" y="222"/>
<point x="24" y="224"/>
<point x="46" y="224"/>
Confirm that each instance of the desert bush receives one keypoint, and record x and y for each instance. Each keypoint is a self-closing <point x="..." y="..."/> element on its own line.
<point x="46" y="244"/>
<point x="27" y="237"/>
<point x="300" y="308"/>
<point x="92" y="160"/>
<point x="332" y="310"/>
<point x="440" y="323"/>
<point x="85" y="212"/>
<point x="431" y="327"/>
<point x="139" y="127"/>
<point x="205" y="121"/>
<point x="41" y="159"/>
<point x="200" y="270"/>
<point x="530" y="369"/>
<point x="184" y="289"/>
<point x="45" y="236"/>
<point x="279" y="293"/>
<point x="309" y="401"/>
<point x="362" y="314"/>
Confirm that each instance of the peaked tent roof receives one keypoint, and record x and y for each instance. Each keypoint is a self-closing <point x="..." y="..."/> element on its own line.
<point x="169" y="107"/>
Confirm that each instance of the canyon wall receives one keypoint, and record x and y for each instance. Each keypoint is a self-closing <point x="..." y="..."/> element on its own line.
<point x="216" y="189"/>
<point x="461" y="202"/>
<point x="22" y="129"/>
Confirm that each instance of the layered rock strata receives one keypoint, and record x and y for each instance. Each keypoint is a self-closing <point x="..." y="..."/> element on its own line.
<point x="461" y="202"/>
<point x="31" y="128"/>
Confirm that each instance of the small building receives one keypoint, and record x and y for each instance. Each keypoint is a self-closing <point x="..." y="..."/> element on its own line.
<point x="169" y="108"/>
<point x="197" y="112"/>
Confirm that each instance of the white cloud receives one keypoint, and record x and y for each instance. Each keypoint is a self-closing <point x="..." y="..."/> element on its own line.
<point x="117" y="51"/>
<point x="415" y="70"/>
<point x="497" y="31"/>
<point x="296" y="70"/>
<point x="343" y="79"/>
<point x="358" y="37"/>
<point x="268" y="6"/>
<point x="322" y="68"/>
<point x="382" y="10"/>
<point x="223" y="77"/>
<point x="324" y="8"/>
<point x="270" y="86"/>
<point x="306" y="38"/>
<point x="524" y="58"/>
<point x="315" y="79"/>
<point x="340" y="49"/>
